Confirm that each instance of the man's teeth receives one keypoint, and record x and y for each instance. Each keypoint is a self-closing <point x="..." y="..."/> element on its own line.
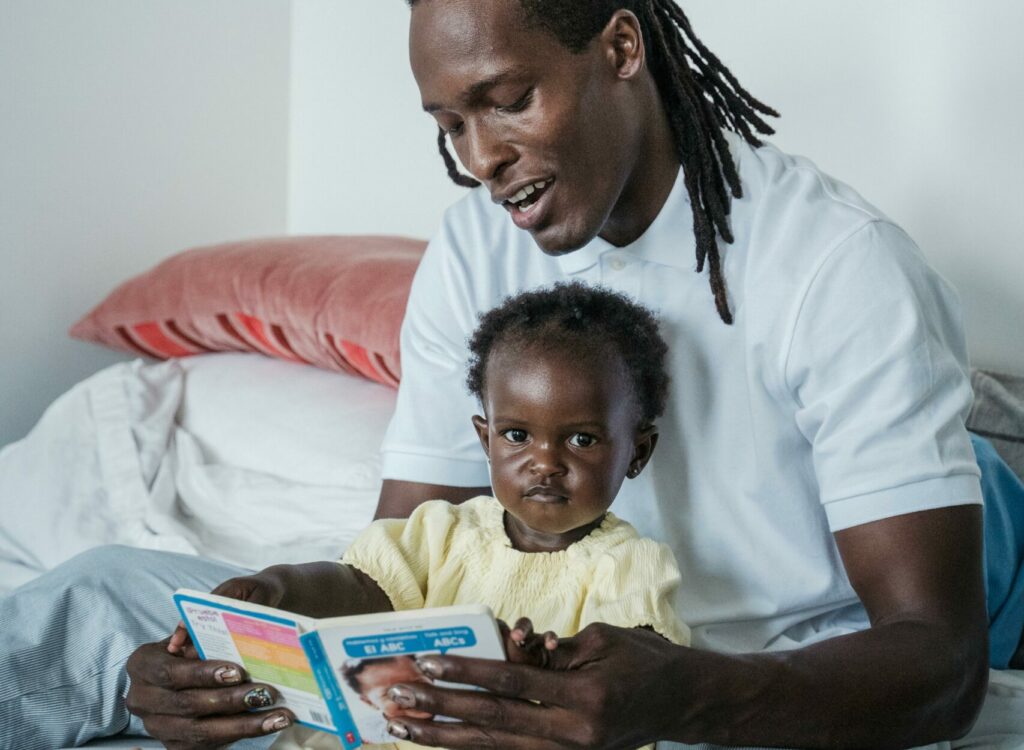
<point x="527" y="191"/>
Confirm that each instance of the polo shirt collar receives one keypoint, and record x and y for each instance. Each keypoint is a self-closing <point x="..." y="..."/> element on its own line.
<point x="668" y="240"/>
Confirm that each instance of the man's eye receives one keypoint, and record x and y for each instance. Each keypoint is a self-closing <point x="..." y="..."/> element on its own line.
<point x="519" y="104"/>
<point x="515" y="436"/>
<point x="582" y="440"/>
<point x="454" y="130"/>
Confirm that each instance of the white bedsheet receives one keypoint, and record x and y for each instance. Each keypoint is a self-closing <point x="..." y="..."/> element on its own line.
<point x="231" y="467"/>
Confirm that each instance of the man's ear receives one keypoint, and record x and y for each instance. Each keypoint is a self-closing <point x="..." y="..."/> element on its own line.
<point x="643" y="448"/>
<point x="482" y="432"/>
<point x="623" y="41"/>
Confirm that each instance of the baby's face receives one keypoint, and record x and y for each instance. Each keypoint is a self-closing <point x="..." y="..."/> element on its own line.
<point x="561" y="435"/>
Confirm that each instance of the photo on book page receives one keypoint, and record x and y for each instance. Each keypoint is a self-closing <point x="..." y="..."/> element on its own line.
<point x="371" y="663"/>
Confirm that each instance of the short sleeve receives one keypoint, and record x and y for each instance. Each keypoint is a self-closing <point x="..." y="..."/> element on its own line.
<point x="634" y="586"/>
<point x="430" y="438"/>
<point x="399" y="553"/>
<point x="877" y="364"/>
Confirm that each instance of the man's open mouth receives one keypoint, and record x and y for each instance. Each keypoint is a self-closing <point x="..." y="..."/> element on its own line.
<point x="529" y="195"/>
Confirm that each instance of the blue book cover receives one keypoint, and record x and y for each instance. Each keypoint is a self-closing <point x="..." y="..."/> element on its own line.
<point x="334" y="673"/>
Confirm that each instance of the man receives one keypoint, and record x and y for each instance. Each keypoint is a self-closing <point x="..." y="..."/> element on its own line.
<point x="815" y="481"/>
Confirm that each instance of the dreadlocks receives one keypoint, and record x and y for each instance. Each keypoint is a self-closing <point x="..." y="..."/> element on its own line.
<point x="700" y="95"/>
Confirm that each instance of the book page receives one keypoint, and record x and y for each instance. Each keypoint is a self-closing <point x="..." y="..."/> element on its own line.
<point x="266" y="645"/>
<point x="369" y="657"/>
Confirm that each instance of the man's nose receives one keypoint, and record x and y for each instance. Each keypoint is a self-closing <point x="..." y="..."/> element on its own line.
<point x="488" y="153"/>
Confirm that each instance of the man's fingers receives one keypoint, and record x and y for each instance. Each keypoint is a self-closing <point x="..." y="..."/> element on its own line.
<point x="474" y="707"/>
<point x="463" y="737"/>
<point x="151" y="701"/>
<point x="217" y="732"/>
<point x="501" y="678"/>
<point x="153" y="665"/>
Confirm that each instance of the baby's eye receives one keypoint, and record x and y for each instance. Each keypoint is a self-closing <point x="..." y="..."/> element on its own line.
<point x="582" y="440"/>
<point x="515" y="436"/>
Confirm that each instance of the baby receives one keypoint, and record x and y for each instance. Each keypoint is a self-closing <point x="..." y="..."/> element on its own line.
<point x="570" y="380"/>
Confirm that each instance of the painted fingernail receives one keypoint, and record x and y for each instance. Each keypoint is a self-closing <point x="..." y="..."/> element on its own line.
<point x="227" y="675"/>
<point x="429" y="666"/>
<point x="401" y="695"/>
<point x="276" y="723"/>
<point x="258" y="697"/>
<point x="398" y="730"/>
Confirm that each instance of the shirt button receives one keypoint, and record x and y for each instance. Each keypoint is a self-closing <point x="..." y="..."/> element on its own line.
<point x="617" y="264"/>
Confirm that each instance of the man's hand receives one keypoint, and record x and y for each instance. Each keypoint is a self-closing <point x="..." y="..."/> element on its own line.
<point x="188" y="703"/>
<point x="601" y="689"/>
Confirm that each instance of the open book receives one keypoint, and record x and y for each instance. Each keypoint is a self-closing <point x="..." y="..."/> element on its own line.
<point x="333" y="673"/>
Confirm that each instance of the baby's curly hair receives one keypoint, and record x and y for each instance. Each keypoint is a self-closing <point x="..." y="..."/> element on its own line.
<point x="585" y="321"/>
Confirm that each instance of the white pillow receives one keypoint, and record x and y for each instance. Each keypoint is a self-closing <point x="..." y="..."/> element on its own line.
<point x="238" y="457"/>
<point x="293" y="421"/>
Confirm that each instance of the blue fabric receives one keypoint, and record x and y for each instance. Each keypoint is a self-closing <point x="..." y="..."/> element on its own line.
<point x="1004" y="552"/>
<point x="65" y="637"/>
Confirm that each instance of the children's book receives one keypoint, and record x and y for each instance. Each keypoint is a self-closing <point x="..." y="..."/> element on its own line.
<point x="333" y="673"/>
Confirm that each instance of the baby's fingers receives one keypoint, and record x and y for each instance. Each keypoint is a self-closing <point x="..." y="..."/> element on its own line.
<point x="179" y="639"/>
<point x="522" y="631"/>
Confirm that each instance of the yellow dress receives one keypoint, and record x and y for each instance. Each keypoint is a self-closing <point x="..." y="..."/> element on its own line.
<point x="447" y="554"/>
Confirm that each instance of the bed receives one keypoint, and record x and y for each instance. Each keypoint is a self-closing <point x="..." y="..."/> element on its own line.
<point x="255" y="413"/>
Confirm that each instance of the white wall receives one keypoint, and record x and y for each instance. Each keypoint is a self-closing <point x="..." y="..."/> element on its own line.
<point x="363" y="153"/>
<point x="128" y="130"/>
<point x="915" y="103"/>
<point x="918" y="104"/>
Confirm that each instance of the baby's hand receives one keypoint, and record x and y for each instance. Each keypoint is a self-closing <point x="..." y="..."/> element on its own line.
<point x="523" y="646"/>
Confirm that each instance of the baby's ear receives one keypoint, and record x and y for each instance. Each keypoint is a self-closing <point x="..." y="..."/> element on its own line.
<point x="643" y="448"/>
<point x="482" y="432"/>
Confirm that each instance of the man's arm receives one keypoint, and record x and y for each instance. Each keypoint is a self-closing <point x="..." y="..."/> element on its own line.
<point x="917" y="676"/>
<point x="398" y="499"/>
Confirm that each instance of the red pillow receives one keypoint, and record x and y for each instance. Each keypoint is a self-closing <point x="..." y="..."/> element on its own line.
<point x="334" y="302"/>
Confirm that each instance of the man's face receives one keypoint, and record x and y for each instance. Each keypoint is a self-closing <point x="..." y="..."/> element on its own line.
<point x="525" y="114"/>
<point x="377" y="678"/>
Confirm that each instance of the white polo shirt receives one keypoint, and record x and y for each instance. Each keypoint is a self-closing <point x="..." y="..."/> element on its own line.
<point x="836" y="398"/>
